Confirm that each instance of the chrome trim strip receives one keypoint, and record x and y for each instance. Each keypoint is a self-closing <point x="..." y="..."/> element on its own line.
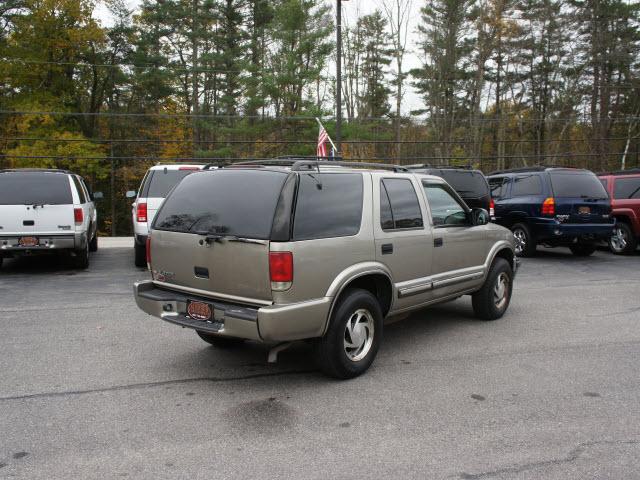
<point x="424" y="284"/>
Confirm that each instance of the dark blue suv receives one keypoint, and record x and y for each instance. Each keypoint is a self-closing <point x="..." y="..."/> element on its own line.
<point x="552" y="206"/>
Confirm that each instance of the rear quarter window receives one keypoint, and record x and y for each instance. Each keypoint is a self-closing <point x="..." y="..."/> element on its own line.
<point x="160" y="182"/>
<point x="498" y="187"/>
<point x="626" y="188"/>
<point x="328" y="205"/>
<point x="526" y="185"/>
<point x="30" y="188"/>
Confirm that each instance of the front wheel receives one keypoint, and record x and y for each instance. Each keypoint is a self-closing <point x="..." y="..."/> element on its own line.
<point x="492" y="300"/>
<point x="623" y="241"/>
<point x="582" y="250"/>
<point x="352" y="341"/>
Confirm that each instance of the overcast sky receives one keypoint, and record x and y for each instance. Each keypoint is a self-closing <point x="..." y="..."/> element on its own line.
<point x="351" y="10"/>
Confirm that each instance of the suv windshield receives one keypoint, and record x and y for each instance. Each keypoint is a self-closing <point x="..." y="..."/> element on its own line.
<point x="31" y="188"/>
<point x="225" y="202"/>
<point x="160" y="182"/>
<point x="577" y="184"/>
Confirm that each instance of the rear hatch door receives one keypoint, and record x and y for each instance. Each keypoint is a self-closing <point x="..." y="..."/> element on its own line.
<point x="212" y="234"/>
<point x="35" y="203"/>
<point x="580" y="195"/>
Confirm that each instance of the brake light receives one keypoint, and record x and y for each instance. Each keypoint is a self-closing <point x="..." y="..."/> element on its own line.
<point x="492" y="208"/>
<point x="281" y="270"/>
<point x="141" y="212"/>
<point x="148" y="251"/>
<point x="78" y="215"/>
<point x="549" y="207"/>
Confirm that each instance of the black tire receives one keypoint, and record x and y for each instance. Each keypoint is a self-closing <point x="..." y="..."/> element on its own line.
<point x="357" y="308"/>
<point x="623" y="241"/>
<point x="81" y="258"/>
<point x="486" y="304"/>
<point x="93" y="245"/>
<point x="140" y="254"/>
<point x="583" y="249"/>
<point x="525" y="243"/>
<point x="220" y="342"/>
<point x="1" y="259"/>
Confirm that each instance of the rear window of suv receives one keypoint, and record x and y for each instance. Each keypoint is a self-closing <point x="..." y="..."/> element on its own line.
<point x="577" y="184"/>
<point x="241" y="203"/>
<point x="467" y="183"/>
<point x="30" y="188"/>
<point x="160" y="182"/>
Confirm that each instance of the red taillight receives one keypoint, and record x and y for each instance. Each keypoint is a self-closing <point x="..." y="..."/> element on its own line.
<point x="281" y="270"/>
<point x="492" y="208"/>
<point x="141" y="212"/>
<point x="549" y="207"/>
<point x="78" y="215"/>
<point x="148" y="250"/>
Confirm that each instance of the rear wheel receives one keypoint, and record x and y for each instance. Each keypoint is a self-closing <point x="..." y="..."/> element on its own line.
<point x="81" y="258"/>
<point x="354" y="336"/>
<point x="93" y="245"/>
<point x="492" y="300"/>
<point x="623" y="241"/>
<point x="140" y="255"/>
<point x="220" y="342"/>
<point x="583" y="250"/>
<point x="525" y="243"/>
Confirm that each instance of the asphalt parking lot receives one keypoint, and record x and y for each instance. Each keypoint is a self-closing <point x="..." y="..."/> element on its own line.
<point x="93" y="388"/>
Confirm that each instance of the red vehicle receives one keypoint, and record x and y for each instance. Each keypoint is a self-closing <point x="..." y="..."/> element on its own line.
<point x="624" y="190"/>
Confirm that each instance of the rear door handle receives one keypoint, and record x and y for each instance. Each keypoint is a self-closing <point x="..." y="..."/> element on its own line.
<point x="387" y="248"/>
<point x="438" y="242"/>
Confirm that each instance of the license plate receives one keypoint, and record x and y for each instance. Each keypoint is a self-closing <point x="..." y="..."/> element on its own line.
<point x="584" y="210"/>
<point x="28" y="242"/>
<point x="200" y="311"/>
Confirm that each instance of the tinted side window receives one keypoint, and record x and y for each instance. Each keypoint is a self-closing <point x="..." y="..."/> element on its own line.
<point x="626" y="188"/>
<point x="328" y="205"/>
<point x="405" y="209"/>
<point x="386" y="217"/>
<point x="81" y="195"/>
<point x="445" y="209"/>
<point x="525" y="185"/>
<point x="498" y="187"/>
<point x="467" y="183"/>
<point x="161" y="182"/>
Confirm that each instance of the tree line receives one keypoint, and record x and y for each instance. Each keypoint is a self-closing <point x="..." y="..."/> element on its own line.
<point x="501" y="83"/>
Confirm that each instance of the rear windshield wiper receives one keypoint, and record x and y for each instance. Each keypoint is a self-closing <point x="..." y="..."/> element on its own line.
<point x="212" y="236"/>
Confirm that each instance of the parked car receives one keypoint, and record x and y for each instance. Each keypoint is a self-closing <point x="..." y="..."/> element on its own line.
<point x="156" y="184"/>
<point x="552" y="206"/>
<point x="319" y="250"/>
<point x="624" y="190"/>
<point x="470" y="184"/>
<point x="46" y="211"/>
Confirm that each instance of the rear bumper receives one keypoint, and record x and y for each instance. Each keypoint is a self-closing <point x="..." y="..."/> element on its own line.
<point x="9" y="244"/>
<point x="557" y="232"/>
<point x="272" y="324"/>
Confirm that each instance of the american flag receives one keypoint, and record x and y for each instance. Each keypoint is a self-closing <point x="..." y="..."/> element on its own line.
<point x="323" y="137"/>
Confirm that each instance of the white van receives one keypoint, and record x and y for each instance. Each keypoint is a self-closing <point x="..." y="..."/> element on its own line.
<point x="156" y="184"/>
<point x="46" y="211"/>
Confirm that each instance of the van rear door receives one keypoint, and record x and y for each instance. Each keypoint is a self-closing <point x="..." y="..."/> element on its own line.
<point x="212" y="234"/>
<point x="35" y="203"/>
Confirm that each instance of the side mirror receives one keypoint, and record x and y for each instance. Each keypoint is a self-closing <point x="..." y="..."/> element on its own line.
<point x="97" y="196"/>
<point x="132" y="194"/>
<point x="479" y="216"/>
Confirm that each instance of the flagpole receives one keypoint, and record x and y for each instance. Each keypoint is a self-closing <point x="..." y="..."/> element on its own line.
<point x="328" y="136"/>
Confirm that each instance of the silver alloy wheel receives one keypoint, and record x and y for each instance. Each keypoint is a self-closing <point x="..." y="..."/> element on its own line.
<point x="501" y="291"/>
<point x="358" y="335"/>
<point x="521" y="240"/>
<point x="618" y="240"/>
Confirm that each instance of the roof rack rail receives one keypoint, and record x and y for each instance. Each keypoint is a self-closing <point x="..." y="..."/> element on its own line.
<point x="535" y="168"/>
<point x="300" y="163"/>
<point x="44" y="170"/>
<point x="439" y="166"/>
<point x="630" y="171"/>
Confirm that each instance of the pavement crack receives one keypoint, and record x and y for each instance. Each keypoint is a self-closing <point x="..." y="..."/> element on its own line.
<point x="572" y="456"/>
<point x="135" y="386"/>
